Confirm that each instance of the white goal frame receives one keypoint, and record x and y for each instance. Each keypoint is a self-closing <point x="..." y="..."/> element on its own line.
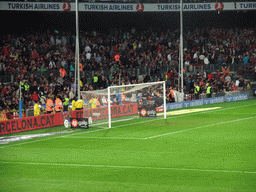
<point x="131" y="85"/>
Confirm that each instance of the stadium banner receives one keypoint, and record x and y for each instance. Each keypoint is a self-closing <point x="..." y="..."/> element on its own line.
<point x="102" y="112"/>
<point x="176" y="105"/>
<point x="30" y="123"/>
<point x="193" y="103"/>
<point x="214" y="100"/>
<point x="237" y="97"/>
<point x="125" y="7"/>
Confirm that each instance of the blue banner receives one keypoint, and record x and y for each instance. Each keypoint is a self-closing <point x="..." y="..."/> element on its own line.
<point x="178" y="105"/>
<point x="237" y="97"/>
<point x="214" y="100"/>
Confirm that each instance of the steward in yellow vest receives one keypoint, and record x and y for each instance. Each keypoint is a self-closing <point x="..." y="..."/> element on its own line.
<point x="209" y="91"/>
<point x="37" y="108"/>
<point x="73" y="104"/>
<point x="197" y="91"/>
<point x="65" y="103"/>
<point x="79" y="104"/>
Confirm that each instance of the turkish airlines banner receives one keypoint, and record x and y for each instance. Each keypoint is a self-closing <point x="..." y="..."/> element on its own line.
<point x="30" y="123"/>
<point x="126" y="7"/>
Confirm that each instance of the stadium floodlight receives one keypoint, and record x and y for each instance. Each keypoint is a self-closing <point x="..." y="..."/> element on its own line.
<point x="117" y="105"/>
<point x="77" y="54"/>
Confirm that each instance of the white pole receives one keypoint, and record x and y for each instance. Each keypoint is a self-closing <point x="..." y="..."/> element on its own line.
<point x="181" y="43"/>
<point x="164" y="95"/>
<point x="77" y="52"/>
<point x="75" y="75"/>
<point x="20" y="104"/>
<point x="179" y="74"/>
<point x="20" y="90"/>
<point x="109" y="109"/>
<point x="119" y="78"/>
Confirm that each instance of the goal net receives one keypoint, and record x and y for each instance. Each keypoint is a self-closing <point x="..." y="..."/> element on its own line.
<point x="125" y="104"/>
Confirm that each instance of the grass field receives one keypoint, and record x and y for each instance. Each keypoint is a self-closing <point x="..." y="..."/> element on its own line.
<point x="209" y="150"/>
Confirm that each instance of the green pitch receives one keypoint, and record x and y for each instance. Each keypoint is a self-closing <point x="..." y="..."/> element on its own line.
<point x="200" y="150"/>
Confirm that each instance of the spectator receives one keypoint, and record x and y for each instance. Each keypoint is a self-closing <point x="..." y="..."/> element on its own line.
<point x="71" y="94"/>
<point x="3" y="103"/>
<point x="35" y="97"/>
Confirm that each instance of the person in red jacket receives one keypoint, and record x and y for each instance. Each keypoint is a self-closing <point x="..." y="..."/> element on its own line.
<point x="35" y="96"/>
<point x="62" y="72"/>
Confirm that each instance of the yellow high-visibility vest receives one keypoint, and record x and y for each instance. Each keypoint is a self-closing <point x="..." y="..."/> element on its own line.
<point x="208" y="90"/>
<point x="197" y="89"/>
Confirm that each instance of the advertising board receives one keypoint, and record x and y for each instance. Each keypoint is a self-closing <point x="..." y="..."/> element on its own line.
<point x="116" y="111"/>
<point x="237" y="97"/>
<point x="79" y="123"/>
<point x="147" y="108"/>
<point x="125" y="7"/>
<point x="30" y="123"/>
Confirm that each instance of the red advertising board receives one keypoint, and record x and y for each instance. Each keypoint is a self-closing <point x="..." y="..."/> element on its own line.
<point x="116" y="111"/>
<point x="159" y="109"/>
<point x="30" y="123"/>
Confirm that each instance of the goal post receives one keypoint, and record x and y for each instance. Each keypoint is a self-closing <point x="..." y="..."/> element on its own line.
<point x="117" y="105"/>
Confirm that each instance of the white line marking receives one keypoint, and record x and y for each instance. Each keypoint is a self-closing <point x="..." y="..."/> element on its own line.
<point x="33" y="141"/>
<point x="82" y="132"/>
<point x="235" y="113"/>
<point x="186" y="111"/>
<point x="103" y="138"/>
<point x="199" y="127"/>
<point x="113" y="121"/>
<point x="131" y="167"/>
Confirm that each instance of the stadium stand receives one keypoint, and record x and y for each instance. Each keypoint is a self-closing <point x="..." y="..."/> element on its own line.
<point x="45" y="61"/>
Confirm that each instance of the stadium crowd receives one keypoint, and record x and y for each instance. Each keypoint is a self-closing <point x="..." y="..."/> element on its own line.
<point x="43" y="64"/>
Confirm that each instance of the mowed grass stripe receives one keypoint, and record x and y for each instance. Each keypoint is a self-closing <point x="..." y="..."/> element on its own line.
<point x="129" y="167"/>
<point x="120" y="179"/>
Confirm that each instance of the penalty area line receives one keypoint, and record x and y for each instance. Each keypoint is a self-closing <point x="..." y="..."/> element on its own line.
<point x="130" y="167"/>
